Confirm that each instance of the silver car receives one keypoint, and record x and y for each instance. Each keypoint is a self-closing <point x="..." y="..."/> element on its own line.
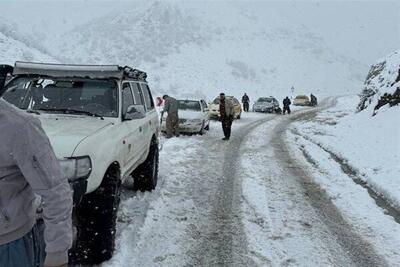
<point x="267" y="105"/>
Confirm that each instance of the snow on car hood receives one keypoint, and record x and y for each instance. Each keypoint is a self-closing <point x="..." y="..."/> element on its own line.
<point x="66" y="132"/>
<point x="190" y="115"/>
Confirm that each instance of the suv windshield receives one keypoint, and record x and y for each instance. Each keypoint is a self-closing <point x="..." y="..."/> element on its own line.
<point x="189" y="105"/>
<point x="89" y="97"/>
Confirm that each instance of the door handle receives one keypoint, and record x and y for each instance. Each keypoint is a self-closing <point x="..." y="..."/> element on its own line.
<point x="140" y="129"/>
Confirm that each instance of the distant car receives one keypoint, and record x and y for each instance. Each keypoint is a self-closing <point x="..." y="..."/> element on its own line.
<point x="267" y="104"/>
<point x="193" y="116"/>
<point x="214" y="108"/>
<point x="301" y="100"/>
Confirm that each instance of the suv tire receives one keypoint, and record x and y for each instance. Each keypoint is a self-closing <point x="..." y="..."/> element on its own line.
<point x="96" y="221"/>
<point x="146" y="174"/>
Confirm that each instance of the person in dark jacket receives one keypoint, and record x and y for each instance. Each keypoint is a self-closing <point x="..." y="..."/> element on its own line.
<point x="313" y="99"/>
<point x="227" y="113"/>
<point x="246" y="102"/>
<point x="286" y="105"/>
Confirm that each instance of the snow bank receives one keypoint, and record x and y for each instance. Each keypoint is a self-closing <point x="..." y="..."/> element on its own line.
<point x="371" y="145"/>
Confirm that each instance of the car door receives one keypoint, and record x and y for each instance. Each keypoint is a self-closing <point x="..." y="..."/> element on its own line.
<point x="152" y="123"/>
<point x="132" y="129"/>
<point x="205" y="112"/>
<point x="139" y="99"/>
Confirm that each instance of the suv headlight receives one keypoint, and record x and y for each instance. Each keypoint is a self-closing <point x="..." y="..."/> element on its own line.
<point x="76" y="168"/>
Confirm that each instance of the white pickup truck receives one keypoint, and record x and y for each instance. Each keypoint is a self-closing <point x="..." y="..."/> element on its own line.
<point x="103" y="126"/>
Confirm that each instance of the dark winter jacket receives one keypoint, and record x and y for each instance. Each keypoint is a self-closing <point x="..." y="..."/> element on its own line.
<point x="245" y="99"/>
<point x="286" y="102"/>
<point x="28" y="167"/>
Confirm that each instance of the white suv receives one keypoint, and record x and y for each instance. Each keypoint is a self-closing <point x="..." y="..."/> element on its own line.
<point x="103" y="126"/>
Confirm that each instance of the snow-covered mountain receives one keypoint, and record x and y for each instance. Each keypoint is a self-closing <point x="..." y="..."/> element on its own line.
<point x="16" y="46"/>
<point x="192" y="49"/>
<point x="196" y="49"/>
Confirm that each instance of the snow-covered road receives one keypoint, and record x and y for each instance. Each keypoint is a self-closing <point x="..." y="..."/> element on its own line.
<point x="246" y="202"/>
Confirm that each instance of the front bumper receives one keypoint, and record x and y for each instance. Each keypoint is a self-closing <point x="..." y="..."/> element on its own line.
<point x="189" y="128"/>
<point x="185" y="127"/>
<point x="264" y="109"/>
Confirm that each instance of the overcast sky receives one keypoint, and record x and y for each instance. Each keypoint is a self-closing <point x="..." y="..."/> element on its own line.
<point x="363" y="30"/>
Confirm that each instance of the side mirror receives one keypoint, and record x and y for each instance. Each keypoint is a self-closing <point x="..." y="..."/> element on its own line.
<point x="206" y="109"/>
<point x="135" y="112"/>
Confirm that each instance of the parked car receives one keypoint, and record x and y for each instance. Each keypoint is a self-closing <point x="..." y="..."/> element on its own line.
<point x="267" y="104"/>
<point x="214" y="108"/>
<point x="301" y="100"/>
<point x="103" y="126"/>
<point x="193" y="116"/>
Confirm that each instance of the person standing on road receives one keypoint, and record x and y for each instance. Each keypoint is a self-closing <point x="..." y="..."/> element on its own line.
<point x="313" y="100"/>
<point x="172" y="122"/>
<point x="246" y="102"/>
<point x="28" y="166"/>
<point x="227" y="113"/>
<point x="286" y="105"/>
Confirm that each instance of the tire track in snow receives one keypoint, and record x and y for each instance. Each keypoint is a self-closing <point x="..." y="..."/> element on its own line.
<point x="223" y="241"/>
<point x="360" y="251"/>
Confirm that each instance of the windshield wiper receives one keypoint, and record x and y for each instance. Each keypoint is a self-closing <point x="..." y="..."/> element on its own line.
<point x="71" y="111"/>
<point x="33" y="111"/>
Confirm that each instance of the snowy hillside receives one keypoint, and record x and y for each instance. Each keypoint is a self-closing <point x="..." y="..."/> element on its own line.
<point x="15" y="46"/>
<point x="193" y="49"/>
<point x="384" y="77"/>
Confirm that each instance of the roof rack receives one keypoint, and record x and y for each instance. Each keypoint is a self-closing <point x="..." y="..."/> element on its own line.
<point x="78" y="71"/>
<point x="135" y="74"/>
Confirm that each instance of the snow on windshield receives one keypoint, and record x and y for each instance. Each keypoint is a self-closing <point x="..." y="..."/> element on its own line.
<point x="189" y="105"/>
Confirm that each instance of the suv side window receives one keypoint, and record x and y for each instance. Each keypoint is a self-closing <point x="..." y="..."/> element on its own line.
<point x="147" y="96"/>
<point x="127" y="97"/>
<point x="137" y="93"/>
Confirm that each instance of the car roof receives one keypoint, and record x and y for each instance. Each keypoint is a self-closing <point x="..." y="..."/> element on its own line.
<point x="198" y="100"/>
<point x="32" y="69"/>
